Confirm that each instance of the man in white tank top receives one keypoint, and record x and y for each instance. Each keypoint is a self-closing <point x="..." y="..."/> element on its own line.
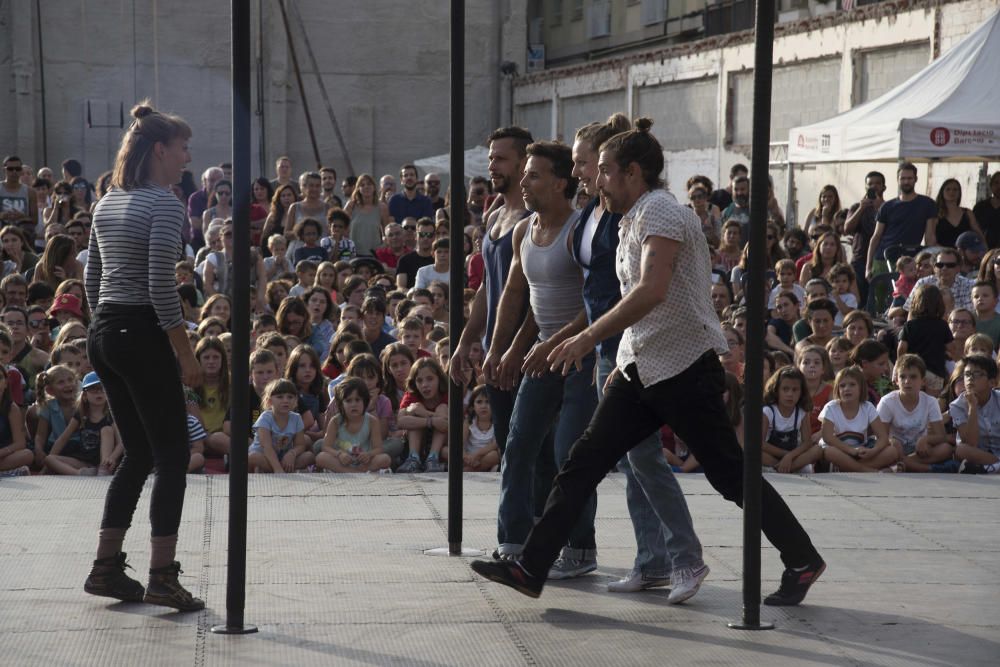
<point x="544" y="272"/>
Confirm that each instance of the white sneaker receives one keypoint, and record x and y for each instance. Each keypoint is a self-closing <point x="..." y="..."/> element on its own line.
<point x="636" y="581"/>
<point x="568" y="568"/>
<point x="685" y="582"/>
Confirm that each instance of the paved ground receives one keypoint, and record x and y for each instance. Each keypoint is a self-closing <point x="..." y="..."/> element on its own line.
<point x="337" y="576"/>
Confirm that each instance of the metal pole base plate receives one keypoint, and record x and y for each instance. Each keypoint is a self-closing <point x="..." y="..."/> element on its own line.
<point x="741" y="625"/>
<point x="234" y="630"/>
<point x="446" y="551"/>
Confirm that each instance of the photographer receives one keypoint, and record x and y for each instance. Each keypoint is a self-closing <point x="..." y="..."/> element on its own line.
<point x="860" y="225"/>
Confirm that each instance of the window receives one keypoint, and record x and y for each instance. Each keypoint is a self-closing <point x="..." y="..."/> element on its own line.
<point x="557" y="12"/>
<point x="599" y="19"/>
<point x="654" y="11"/>
<point x="577" y="14"/>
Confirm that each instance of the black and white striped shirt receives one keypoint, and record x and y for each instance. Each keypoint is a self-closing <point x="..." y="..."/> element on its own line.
<point x="135" y="241"/>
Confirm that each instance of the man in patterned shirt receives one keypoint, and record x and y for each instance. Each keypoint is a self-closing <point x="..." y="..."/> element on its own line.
<point x="668" y="372"/>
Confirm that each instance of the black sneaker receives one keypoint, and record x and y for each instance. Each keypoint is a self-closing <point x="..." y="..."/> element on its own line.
<point x="165" y="590"/>
<point x="108" y="579"/>
<point x="795" y="584"/>
<point x="510" y="573"/>
<point x="969" y="468"/>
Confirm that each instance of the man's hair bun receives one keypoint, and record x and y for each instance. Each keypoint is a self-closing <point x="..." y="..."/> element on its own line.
<point x="643" y="124"/>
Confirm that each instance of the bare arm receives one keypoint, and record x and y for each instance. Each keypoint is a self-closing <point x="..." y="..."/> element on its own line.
<point x="657" y="267"/>
<point x="930" y="233"/>
<point x="873" y="247"/>
<point x="515" y="292"/>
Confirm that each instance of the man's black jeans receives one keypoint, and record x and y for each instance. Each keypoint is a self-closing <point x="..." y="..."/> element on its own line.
<point x="691" y="404"/>
<point x="135" y="362"/>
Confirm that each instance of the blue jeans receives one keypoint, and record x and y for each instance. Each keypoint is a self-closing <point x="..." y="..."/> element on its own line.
<point x="556" y="403"/>
<point x="664" y="535"/>
<point x="502" y="406"/>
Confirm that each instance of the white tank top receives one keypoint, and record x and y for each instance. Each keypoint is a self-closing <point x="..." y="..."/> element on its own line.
<point x="478" y="438"/>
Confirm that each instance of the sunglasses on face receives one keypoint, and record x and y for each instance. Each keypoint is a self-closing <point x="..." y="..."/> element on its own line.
<point x="10" y="168"/>
<point x="698" y="197"/>
<point x="79" y="186"/>
<point x="409" y="228"/>
<point x="36" y="323"/>
<point x="946" y="265"/>
<point x="425" y="235"/>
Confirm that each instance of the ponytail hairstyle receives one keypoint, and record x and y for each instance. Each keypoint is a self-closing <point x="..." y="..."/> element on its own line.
<point x="47" y="377"/>
<point x="149" y="127"/>
<point x="597" y="133"/>
<point x="640" y="146"/>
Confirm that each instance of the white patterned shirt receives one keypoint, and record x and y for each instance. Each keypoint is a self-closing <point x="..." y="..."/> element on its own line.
<point x="684" y="326"/>
<point x="961" y="291"/>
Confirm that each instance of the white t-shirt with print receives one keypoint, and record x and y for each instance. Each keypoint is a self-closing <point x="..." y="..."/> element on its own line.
<point x="856" y="428"/>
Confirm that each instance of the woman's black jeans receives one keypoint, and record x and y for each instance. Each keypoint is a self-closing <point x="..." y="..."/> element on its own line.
<point x="135" y="362"/>
<point x="691" y="404"/>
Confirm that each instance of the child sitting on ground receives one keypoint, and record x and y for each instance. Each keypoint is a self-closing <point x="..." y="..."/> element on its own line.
<point x="872" y="357"/>
<point x="854" y="437"/>
<point x="280" y="443"/>
<point x="353" y="441"/>
<point x="914" y="418"/>
<point x="975" y="414"/>
<point x="56" y="405"/>
<point x="196" y="443"/>
<point x="15" y="457"/>
<point x="423" y="411"/>
<point x="787" y="441"/>
<point x="98" y="451"/>
<point x="481" y="450"/>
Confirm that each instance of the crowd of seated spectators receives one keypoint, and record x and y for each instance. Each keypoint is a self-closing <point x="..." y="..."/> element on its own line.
<point x="881" y="332"/>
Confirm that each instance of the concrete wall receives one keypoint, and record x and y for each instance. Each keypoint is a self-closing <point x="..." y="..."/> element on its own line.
<point x="823" y="66"/>
<point x="385" y="65"/>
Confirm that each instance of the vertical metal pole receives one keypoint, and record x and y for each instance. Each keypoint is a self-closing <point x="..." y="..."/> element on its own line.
<point x="240" y="401"/>
<point x="760" y="158"/>
<point x="456" y="282"/>
<point x="41" y="83"/>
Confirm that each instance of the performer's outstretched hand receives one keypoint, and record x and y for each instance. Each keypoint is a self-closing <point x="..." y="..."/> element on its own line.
<point x="570" y="352"/>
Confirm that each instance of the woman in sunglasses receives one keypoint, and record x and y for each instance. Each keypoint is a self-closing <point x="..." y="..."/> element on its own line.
<point x="63" y="205"/>
<point x="83" y="194"/>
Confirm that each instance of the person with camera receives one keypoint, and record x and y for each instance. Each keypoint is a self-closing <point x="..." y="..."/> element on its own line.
<point x="860" y="226"/>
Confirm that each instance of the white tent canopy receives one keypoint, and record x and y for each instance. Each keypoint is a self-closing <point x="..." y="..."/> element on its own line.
<point x="950" y="110"/>
<point x="476" y="163"/>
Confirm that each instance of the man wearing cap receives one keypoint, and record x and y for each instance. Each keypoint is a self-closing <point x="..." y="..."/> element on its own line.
<point x="971" y="248"/>
<point x="948" y="280"/>
<point x="66" y="307"/>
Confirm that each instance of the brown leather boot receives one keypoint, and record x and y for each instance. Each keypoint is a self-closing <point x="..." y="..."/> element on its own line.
<point x="108" y="579"/>
<point x="165" y="590"/>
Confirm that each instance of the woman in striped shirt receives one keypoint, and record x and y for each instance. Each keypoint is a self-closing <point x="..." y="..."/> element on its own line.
<point x="137" y="330"/>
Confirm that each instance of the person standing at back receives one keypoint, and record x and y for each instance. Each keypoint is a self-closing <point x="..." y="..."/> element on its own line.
<point x="409" y="203"/>
<point x="137" y="330"/>
<point x="900" y="221"/>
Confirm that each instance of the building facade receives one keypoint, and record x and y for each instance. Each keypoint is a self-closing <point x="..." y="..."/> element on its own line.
<point x="674" y="63"/>
<point x="385" y="66"/>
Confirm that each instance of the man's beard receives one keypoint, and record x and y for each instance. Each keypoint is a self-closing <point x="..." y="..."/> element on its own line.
<point x="906" y="189"/>
<point x="409" y="188"/>
<point x="742" y="200"/>
<point x="502" y="185"/>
